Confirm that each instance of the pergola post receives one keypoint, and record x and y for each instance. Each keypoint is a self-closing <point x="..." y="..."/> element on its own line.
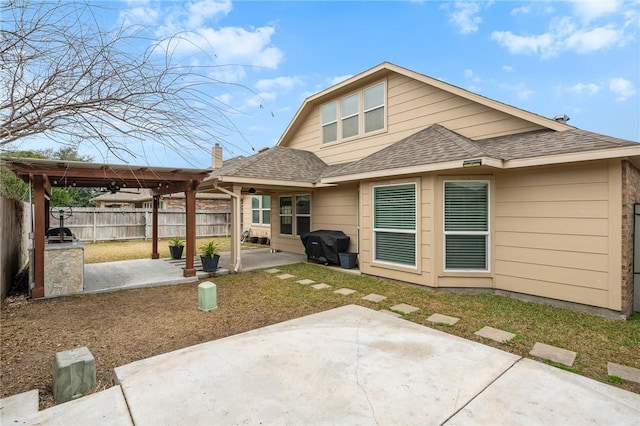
<point x="154" y="227"/>
<point x="39" y="219"/>
<point x="190" y="204"/>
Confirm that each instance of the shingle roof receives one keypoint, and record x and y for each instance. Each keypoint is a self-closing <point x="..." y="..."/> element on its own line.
<point x="435" y="144"/>
<point x="277" y="163"/>
<point x="548" y="142"/>
<point x="432" y="145"/>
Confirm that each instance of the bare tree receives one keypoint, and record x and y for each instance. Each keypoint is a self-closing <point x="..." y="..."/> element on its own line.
<point x="65" y="77"/>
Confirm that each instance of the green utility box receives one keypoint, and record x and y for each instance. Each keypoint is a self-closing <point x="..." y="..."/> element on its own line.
<point x="207" y="296"/>
<point x="74" y="374"/>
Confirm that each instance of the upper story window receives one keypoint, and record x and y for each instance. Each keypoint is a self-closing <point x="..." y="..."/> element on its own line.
<point x="368" y="103"/>
<point x="329" y="122"/>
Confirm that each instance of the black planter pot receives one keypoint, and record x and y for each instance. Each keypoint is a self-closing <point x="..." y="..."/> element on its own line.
<point x="176" y="251"/>
<point x="262" y="240"/>
<point x="210" y="264"/>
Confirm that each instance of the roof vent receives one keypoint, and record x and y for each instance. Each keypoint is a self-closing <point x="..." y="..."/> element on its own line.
<point x="563" y="118"/>
<point x="263" y="149"/>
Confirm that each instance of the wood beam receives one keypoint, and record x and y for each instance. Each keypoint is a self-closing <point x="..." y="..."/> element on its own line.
<point x="190" y="203"/>
<point x="154" y="227"/>
<point x="38" y="236"/>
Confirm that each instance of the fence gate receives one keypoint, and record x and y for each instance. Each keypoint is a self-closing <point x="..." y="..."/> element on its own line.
<point x="636" y="258"/>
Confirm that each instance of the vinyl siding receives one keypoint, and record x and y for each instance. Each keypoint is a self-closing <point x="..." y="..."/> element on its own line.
<point x="256" y="230"/>
<point x="411" y="106"/>
<point x="331" y="209"/>
<point x="553" y="231"/>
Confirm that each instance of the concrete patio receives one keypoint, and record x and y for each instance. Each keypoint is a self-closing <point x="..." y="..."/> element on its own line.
<point x="346" y="366"/>
<point x="137" y="273"/>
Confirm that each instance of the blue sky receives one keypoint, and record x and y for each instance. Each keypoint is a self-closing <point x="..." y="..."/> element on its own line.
<point x="579" y="58"/>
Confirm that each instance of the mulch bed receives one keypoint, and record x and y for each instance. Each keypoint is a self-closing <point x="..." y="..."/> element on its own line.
<point x="126" y="326"/>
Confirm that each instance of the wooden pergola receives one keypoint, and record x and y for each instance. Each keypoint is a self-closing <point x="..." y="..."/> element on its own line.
<point x="43" y="175"/>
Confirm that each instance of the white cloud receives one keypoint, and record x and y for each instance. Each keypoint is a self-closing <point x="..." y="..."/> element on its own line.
<point x="588" y="88"/>
<point x="622" y="87"/>
<point x="232" y="45"/>
<point x="525" y="94"/>
<point x="339" y="79"/>
<point x="269" y="89"/>
<point x="470" y="74"/>
<point x="279" y="83"/>
<point x="593" y="40"/>
<point x="590" y="10"/>
<point x="198" y="12"/>
<point x="465" y="17"/>
<point x="507" y="68"/>
<point x="563" y="35"/>
<point x="140" y="16"/>
<point x="522" y="10"/>
<point x="534" y="44"/>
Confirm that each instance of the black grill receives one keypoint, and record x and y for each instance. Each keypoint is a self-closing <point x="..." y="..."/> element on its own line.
<point x="323" y="246"/>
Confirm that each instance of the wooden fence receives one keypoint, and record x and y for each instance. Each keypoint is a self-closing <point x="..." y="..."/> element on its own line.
<point x="106" y="224"/>
<point x="14" y="233"/>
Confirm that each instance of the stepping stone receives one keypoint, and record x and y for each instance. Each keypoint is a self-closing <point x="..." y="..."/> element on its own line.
<point x="403" y="308"/>
<point x="345" y="291"/>
<point x="443" y="319"/>
<point x="305" y="282"/>
<point x="495" y="334"/>
<point x="388" y="312"/>
<point x="285" y="276"/>
<point x="559" y="355"/>
<point x="626" y="373"/>
<point x="321" y="286"/>
<point x="374" y="297"/>
<point x="272" y="271"/>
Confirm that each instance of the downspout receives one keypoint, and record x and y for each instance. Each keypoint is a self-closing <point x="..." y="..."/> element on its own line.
<point x="235" y="236"/>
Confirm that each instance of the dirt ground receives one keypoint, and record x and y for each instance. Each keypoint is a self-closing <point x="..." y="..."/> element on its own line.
<point x="125" y="326"/>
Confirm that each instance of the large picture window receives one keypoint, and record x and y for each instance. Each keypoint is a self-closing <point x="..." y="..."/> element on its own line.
<point x="261" y="210"/>
<point x="466" y="225"/>
<point x="395" y="224"/>
<point x="295" y="219"/>
<point x="368" y="103"/>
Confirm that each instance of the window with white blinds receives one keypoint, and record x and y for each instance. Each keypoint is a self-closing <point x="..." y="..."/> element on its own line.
<point x="395" y="224"/>
<point x="466" y="225"/>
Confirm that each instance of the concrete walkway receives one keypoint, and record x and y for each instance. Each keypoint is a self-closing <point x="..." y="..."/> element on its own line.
<point x="347" y="366"/>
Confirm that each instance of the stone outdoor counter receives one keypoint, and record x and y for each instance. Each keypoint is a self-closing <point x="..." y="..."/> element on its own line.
<point x="63" y="268"/>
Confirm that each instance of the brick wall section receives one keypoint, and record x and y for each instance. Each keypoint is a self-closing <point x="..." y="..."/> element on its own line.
<point x="630" y="196"/>
<point x="213" y="205"/>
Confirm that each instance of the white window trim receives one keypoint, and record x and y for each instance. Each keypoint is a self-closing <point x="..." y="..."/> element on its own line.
<point x="487" y="233"/>
<point x="396" y="231"/>
<point x="261" y="209"/>
<point x="334" y="121"/>
<point x="361" y="112"/>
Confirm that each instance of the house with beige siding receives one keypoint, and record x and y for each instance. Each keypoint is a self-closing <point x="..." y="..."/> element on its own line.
<point x="444" y="188"/>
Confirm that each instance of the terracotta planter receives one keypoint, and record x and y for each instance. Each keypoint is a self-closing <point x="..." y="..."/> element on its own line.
<point x="176" y="251"/>
<point x="210" y="264"/>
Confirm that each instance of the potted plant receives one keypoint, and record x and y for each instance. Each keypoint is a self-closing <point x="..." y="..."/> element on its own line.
<point x="209" y="256"/>
<point x="176" y="246"/>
